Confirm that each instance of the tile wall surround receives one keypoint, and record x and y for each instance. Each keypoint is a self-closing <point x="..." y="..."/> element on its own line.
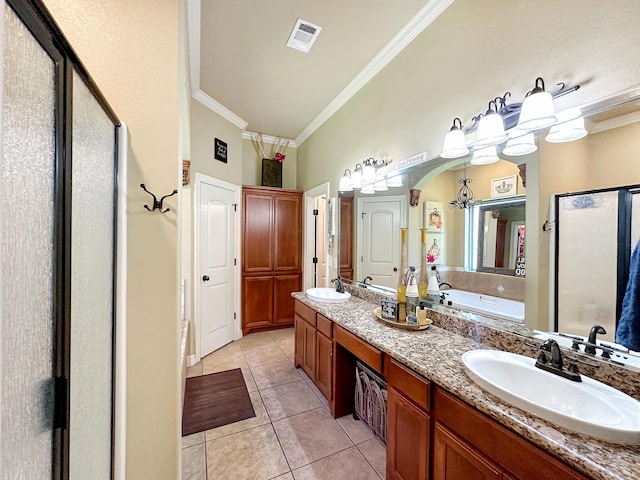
<point x="436" y="355"/>
<point x="486" y="283"/>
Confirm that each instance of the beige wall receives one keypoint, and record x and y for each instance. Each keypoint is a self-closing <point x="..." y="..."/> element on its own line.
<point x="131" y="50"/>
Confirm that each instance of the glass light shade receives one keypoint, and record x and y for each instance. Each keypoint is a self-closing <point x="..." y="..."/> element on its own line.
<point x="356" y="178"/>
<point x="491" y="130"/>
<point x="520" y="145"/>
<point x="537" y="112"/>
<point x="369" y="172"/>
<point x="455" y="145"/>
<point x="380" y="185"/>
<point x="394" y="180"/>
<point x="484" y="156"/>
<point x="345" y="184"/>
<point x="368" y="189"/>
<point x="570" y="127"/>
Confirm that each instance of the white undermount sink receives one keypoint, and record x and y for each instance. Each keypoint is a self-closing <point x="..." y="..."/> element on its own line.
<point x="589" y="407"/>
<point x="327" y="295"/>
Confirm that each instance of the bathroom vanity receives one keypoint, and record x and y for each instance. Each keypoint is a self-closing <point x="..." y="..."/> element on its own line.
<point x="440" y="424"/>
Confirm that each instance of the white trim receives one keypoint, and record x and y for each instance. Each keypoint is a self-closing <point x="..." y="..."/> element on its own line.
<point x="220" y="109"/>
<point x="120" y="397"/>
<point x="200" y="178"/>
<point x="191" y="360"/>
<point x="247" y="135"/>
<point x="307" y="232"/>
<point x="404" y="37"/>
<point x="194" y="8"/>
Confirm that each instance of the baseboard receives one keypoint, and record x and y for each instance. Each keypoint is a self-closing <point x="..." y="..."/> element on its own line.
<point x="191" y="360"/>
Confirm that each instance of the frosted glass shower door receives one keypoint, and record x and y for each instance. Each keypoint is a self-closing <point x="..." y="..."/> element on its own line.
<point x="587" y="263"/>
<point x="27" y="286"/>
<point x="92" y="229"/>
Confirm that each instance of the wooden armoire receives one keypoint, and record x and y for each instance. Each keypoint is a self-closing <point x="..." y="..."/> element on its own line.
<point x="271" y="256"/>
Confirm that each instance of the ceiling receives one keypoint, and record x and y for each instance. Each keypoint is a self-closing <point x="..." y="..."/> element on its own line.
<point x="245" y="70"/>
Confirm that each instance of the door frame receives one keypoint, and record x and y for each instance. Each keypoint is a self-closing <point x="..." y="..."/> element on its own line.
<point x="360" y="201"/>
<point x="201" y="178"/>
<point x="307" y="234"/>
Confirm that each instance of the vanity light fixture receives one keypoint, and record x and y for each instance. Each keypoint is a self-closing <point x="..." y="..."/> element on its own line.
<point x="345" y="182"/>
<point x="491" y="127"/>
<point x="537" y="109"/>
<point x="485" y="156"/>
<point x="356" y="177"/>
<point x="368" y="189"/>
<point x="380" y="185"/>
<point x="454" y="143"/>
<point x="536" y="112"/>
<point x="570" y="127"/>
<point x="369" y="170"/>
<point x="394" y="180"/>
<point x="520" y="144"/>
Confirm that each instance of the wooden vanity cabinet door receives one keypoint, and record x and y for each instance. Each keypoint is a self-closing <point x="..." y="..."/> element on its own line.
<point x="324" y="364"/>
<point x="454" y="459"/>
<point x="287" y="214"/>
<point x="283" y="302"/>
<point x="298" y="327"/>
<point x="309" y="360"/>
<point x="407" y="439"/>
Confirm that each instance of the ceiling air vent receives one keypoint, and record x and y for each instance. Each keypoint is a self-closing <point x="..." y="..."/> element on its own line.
<point x="303" y="35"/>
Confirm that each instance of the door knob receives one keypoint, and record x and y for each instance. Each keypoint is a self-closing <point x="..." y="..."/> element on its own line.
<point x="395" y="269"/>
<point x="205" y="278"/>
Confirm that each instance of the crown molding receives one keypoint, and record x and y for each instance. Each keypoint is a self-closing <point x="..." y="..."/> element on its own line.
<point x="194" y="18"/>
<point x="220" y="109"/>
<point x="404" y="37"/>
<point x="247" y="135"/>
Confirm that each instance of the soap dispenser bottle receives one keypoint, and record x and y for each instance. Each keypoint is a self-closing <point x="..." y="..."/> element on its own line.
<point x="412" y="294"/>
<point x="433" y="289"/>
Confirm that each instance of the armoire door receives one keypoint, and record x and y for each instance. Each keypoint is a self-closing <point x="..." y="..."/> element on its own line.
<point x="257" y="232"/>
<point x="288" y="232"/>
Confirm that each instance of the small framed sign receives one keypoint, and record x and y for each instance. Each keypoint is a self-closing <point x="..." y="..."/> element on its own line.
<point x="504" y="186"/>
<point x="220" y="150"/>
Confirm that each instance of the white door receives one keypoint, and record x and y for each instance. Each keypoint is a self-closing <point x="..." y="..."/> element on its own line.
<point x="379" y="238"/>
<point x="216" y="271"/>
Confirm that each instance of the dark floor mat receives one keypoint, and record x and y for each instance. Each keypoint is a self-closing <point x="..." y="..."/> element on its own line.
<point x="214" y="400"/>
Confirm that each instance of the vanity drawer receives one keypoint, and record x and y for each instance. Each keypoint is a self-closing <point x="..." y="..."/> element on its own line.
<point x="361" y="349"/>
<point x="324" y="325"/>
<point x="409" y="384"/>
<point x="307" y="313"/>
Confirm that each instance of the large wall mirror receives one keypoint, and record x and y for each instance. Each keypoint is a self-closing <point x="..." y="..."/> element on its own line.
<point x="608" y="157"/>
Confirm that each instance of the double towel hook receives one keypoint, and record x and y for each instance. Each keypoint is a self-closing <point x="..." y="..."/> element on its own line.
<point x="157" y="204"/>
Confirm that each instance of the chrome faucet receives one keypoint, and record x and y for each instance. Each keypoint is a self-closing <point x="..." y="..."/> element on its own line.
<point x="595" y="330"/>
<point x="556" y="366"/>
<point x="339" y="285"/>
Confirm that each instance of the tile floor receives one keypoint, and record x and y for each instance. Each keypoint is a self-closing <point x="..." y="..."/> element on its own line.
<point x="292" y="436"/>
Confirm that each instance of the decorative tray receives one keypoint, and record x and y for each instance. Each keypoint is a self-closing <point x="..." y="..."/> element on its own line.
<point x="403" y="326"/>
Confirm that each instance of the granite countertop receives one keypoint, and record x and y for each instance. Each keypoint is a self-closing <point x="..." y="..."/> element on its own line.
<point x="435" y="354"/>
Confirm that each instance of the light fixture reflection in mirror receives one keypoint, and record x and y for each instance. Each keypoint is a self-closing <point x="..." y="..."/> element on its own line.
<point x="485" y="156"/>
<point x="520" y="145"/>
<point x="570" y="127"/>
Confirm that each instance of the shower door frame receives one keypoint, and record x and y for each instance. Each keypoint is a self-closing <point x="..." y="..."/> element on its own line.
<point x="625" y="195"/>
<point x="38" y="20"/>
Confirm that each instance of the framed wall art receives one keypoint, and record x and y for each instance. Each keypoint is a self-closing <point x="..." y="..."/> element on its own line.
<point x="504" y="186"/>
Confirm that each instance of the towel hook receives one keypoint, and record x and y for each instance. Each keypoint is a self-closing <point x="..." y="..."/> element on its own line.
<point x="157" y="204"/>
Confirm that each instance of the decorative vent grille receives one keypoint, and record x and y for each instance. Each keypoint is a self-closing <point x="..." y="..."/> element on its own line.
<point x="303" y="35"/>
